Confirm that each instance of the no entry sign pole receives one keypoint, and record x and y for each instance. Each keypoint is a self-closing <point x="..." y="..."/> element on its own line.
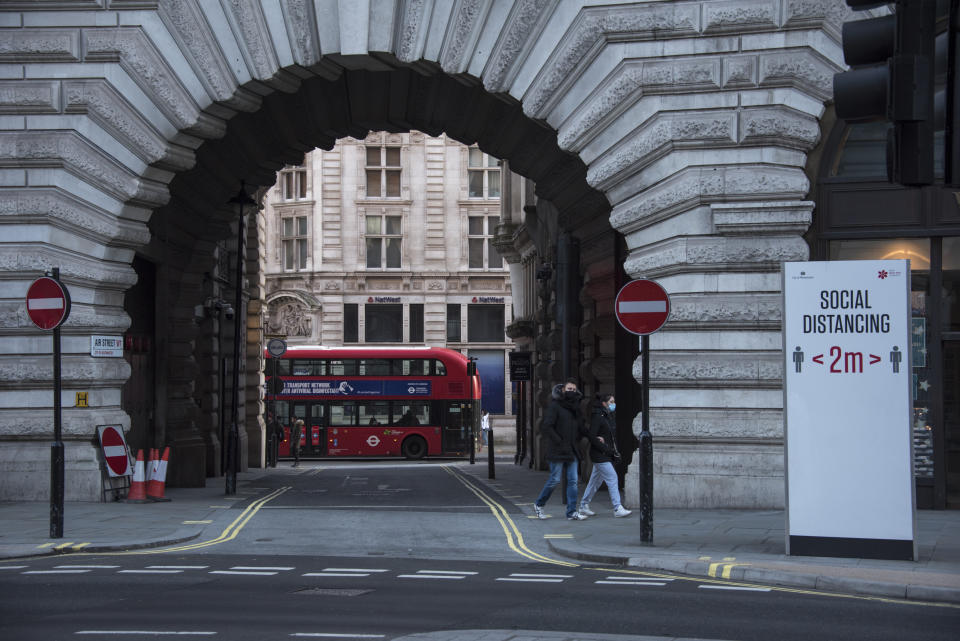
<point x="48" y="306"/>
<point x="642" y="307"/>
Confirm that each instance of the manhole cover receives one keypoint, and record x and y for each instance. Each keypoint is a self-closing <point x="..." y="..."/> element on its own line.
<point x="332" y="592"/>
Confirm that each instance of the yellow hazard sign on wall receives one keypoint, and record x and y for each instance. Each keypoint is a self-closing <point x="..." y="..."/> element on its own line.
<point x="82" y="399"/>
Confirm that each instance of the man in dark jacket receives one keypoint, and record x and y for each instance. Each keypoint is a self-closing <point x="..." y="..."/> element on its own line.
<point x="562" y="429"/>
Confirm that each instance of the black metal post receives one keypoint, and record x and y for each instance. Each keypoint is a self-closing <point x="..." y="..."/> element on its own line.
<point x="56" y="448"/>
<point x="491" y="471"/>
<point x="474" y="414"/>
<point x="646" y="449"/>
<point x="233" y="440"/>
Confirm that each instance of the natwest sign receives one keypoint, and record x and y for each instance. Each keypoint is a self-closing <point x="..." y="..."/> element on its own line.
<point x="383" y="299"/>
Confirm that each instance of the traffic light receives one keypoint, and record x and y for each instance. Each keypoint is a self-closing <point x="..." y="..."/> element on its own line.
<point x="892" y="78"/>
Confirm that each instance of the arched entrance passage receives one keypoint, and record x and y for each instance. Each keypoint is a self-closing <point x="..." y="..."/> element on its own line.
<point x="286" y="125"/>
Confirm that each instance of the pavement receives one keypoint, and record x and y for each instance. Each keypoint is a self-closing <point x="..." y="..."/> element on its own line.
<point x="744" y="546"/>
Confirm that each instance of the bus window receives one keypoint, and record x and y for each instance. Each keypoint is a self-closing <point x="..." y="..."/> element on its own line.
<point x="344" y="413"/>
<point x="415" y="367"/>
<point x="283" y="367"/>
<point x="417" y="413"/>
<point x="439" y="369"/>
<point x="374" y="414"/>
<point x="374" y="367"/>
<point x="342" y="368"/>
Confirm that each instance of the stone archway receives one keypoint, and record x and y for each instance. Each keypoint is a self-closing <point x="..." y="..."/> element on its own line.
<point x="687" y="122"/>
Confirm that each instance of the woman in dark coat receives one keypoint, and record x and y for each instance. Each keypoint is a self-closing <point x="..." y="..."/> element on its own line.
<point x="603" y="452"/>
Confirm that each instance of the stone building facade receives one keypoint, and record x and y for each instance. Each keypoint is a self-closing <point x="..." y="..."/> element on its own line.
<point x="388" y="240"/>
<point x="690" y="142"/>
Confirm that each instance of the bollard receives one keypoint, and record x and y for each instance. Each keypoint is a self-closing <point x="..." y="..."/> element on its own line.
<point x="491" y="472"/>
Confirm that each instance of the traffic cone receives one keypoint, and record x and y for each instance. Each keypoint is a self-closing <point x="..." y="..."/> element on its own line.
<point x="138" y="487"/>
<point x="157" y="484"/>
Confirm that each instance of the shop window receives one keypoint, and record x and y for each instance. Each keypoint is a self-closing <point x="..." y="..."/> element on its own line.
<point x="485" y="323"/>
<point x="384" y="323"/>
<point x="453" y="323"/>
<point x="350" y="323"/>
<point x="416" y="322"/>
<point x="951" y="284"/>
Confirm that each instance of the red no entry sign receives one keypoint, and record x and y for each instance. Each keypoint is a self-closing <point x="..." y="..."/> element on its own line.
<point x="48" y="303"/>
<point x="642" y="306"/>
<point x="114" y="450"/>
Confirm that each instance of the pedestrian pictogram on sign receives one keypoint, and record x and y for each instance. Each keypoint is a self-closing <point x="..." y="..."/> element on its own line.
<point x="114" y="450"/>
<point x="642" y="307"/>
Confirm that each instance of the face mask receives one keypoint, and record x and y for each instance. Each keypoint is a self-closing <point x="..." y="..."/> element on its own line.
<point x="612" y="406"/>
<point x="571" y="395"/>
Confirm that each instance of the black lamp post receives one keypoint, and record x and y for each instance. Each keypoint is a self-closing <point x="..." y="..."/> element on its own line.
<point x="240" y="201"/>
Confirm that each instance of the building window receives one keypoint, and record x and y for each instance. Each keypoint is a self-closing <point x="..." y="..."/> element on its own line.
<point x="383" y="172"/>
<point x="485" y="323"/>
<point x="480" y="250"/>
<point x="350" y="324"/>
<point x="483" y="174"/>
<point x="416" y="322"/>
<point x="384" y="238"/>
<point x="384" y="323"/>
<point x="453" y="323"/>
<point x="294" y="242"/>
<point x="293" y="183"/>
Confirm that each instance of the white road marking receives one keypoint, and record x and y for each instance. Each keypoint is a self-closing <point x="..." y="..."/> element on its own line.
<point x="429" y="576"/>
<point x="333" y="635"/>
<point x="354" y="570"/>
<point x="148" y="632"/>
<point x="178" y="567"/>
<point x="13" y="567"/>
<point x="149" y="571"/>
<point x="636" y="578"/>
<point x="254" y="567"/>
<point x="88" y="567"/>
<point x="733" y="587"/>
<point x="629" y="583"/>
<point x="444" y="572"/>
<point x="532" y="580"/>
<point x="544" y="576"/>
<point x="358" y="574"/>
<point x="246" y="572"/>
<point x="55" y="572"/>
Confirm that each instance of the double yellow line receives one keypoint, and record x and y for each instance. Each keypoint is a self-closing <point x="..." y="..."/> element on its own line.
<point x="510" y="529"/>
<point x="228" y="534"/>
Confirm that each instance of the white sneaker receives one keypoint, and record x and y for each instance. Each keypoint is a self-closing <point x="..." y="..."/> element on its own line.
<point x="622" y="511"/>
<point x="539" y="511"/>
<point x="585" y="510"/>
<point x="576" y="516"/>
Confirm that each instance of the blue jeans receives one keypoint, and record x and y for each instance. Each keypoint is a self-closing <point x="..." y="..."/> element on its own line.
<point x="556" y="469"/>
<point x="602" y="473"/>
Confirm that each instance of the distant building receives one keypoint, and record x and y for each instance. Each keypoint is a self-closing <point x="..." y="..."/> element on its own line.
<point x="388" y="240"/>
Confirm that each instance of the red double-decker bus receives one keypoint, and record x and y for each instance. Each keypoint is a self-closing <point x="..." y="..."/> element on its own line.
<point x="374" y="401"/>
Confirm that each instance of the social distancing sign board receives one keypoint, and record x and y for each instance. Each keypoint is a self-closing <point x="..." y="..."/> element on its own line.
<point x="847" y="396"/>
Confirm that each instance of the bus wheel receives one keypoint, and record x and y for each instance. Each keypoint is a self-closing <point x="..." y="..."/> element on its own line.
<point x="414" y="448"/>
